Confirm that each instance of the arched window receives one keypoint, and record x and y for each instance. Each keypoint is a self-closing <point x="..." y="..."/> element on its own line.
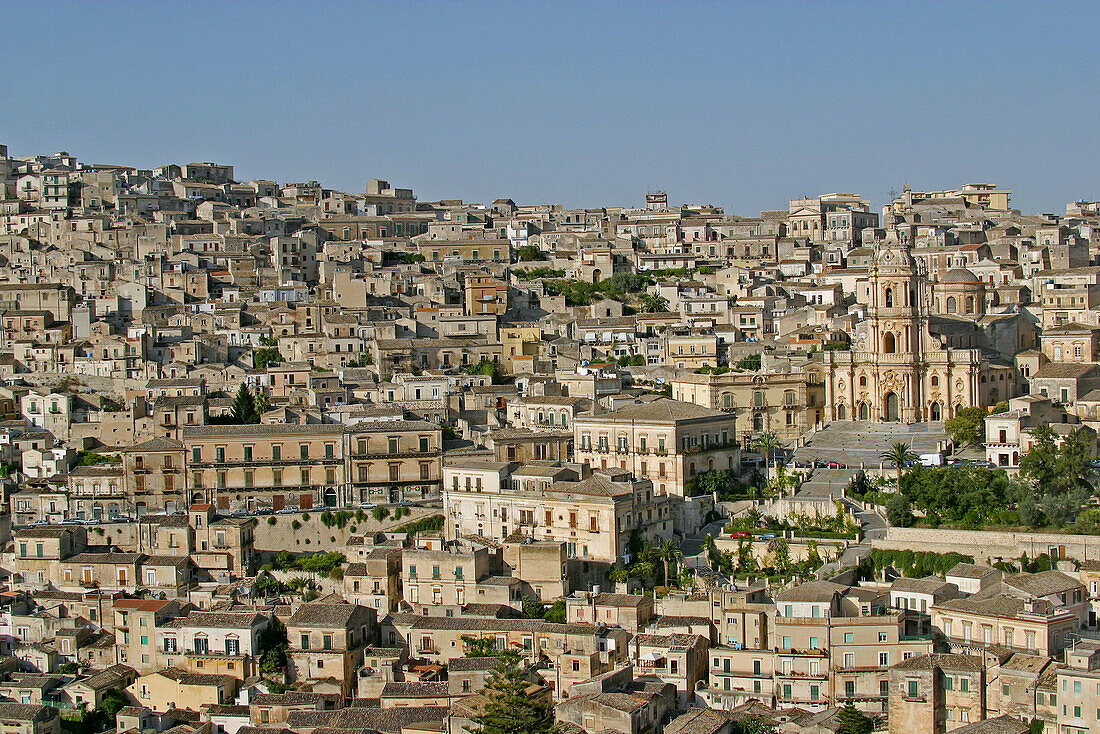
<point x="888" y="345"/>
<point x="863" y="380"/>
<point x="889" y="297"/>
<point x="935" y="380"/>
<point x="970" y="304"/>
<point x="952" y="305"/>
<point x="727" y="401"/>
<point x="758" y="422"/>
<point x="758" y="399"/>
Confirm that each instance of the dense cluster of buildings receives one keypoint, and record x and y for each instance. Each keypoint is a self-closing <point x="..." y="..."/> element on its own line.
<point x="200" y="372"/>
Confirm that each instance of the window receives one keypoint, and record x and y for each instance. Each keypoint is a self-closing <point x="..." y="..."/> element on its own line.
<point x="849" y="637"/>
<point x="883" y="659"/>
<point x="305" y="642"/>
<point x="912" y="689"/>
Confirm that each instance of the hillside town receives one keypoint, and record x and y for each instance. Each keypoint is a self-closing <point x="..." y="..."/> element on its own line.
<point x="281" y="458"/>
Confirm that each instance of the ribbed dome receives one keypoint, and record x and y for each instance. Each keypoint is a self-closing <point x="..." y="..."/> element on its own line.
<point x="960" y="275"/>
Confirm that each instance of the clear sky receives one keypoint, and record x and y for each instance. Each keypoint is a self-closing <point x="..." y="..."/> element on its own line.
<point x="743" y="105"/>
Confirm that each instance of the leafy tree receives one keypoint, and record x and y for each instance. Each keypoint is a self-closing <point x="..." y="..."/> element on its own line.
<point x="898" y="456"/>
<point x="967" y="426"/>
<point x="380" y="513"/>
<point x="751" y="362"/>
<point x="533" y="609"/>
<point x="899" y="511"/>
<point x="113" y="700"/>
<point x="555" y="612"/>
<point x="529" y="253"/>
<point x="653" y="303"/>
<point x="746" y="561"/>
<point x="852" y="721"/>
<point x="244" y="406"/>
<point x="1088" y="521"/>
<point x="479" y="647"/>
<point x="508" y="709"/>
<point x="488" y="367"/>
<point x="813" y="557"/>
<point x="781" y="554"/>
<point x="752" y="725"/>
<point x="1060" y="475"/>
<point x="265" y="356"/>
<point x="273" y="645"/>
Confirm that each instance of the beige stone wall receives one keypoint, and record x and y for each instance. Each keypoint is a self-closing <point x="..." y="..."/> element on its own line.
<point x="987" y="545"/>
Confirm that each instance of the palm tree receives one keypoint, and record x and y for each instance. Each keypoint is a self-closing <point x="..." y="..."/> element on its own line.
<point x="899" y="455"/>
<point x="654" y="303"/>
<point x="767" y="444"/>
<point x="668" y="552"/>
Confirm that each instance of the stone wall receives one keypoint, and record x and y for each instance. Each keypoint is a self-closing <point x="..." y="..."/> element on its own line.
<point x="990" y="546"/>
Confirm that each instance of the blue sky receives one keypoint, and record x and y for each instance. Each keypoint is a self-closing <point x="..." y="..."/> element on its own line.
<point x="743" y="105"/>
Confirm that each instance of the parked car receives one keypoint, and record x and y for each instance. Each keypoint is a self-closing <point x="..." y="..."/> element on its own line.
<point x="739" y="535"/>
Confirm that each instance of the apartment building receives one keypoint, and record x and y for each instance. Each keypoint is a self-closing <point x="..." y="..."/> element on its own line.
<point x="440" y="577"/>
<point x="327" y="638"/>
<point x="594" y="513"/>
<point x="219" y="643"/>
<point x="936" y="693"/>
<point x="668" y="442"/>
<point x="1038" y="614"/>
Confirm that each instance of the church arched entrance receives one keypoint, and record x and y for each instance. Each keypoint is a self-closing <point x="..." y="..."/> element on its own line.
<point x="934" y="412"/>
<point x="893" y="409"/>
<point x="864" y="412"/>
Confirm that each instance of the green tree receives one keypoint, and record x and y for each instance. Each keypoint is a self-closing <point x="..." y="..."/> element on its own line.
<point x="653" y="303"/>
<point x="751" y="362"/>
<point x="273" y="645"/>
<point x="769" y="445"/>
<point x="967" y="426"/>
<point x="898" y="456"/>
<point x="265" y="356"/>
<point x="746" y="561"/>
<point x="479" y="647"/>
<point x="244" y="406"/>
<point x="669" y="553"/>
<point x="813" y="557"/>
<point x="555" y="612"/>
<point x="752" y="725"/>
<point x="1088" y="521"/>
<point x="781" y="554"/>
<point x="899" y="511"/>
<point x="508" y="709"/>
<point x="529" y="253"/>
<point x="852" y="721"/>
<point x="113" y="700"/>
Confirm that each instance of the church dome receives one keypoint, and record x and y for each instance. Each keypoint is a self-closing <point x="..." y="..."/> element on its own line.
<point x="960" y="275"/>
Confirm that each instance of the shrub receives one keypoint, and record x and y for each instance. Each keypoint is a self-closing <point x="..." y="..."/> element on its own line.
<point x="295" y="524"/>
<point x="271" y="521"/>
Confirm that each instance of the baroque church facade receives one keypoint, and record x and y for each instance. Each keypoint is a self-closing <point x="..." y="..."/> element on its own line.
<point x="898" y="368"/>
